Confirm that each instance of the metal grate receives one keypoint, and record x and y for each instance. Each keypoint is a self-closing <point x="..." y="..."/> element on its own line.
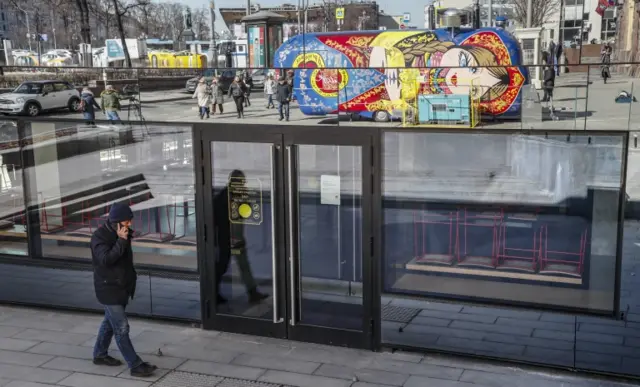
<point x="245" y="383"/>
<point x="187" y="379"/>
<point x="398" y="313"/>
<point x="191" y="379"/>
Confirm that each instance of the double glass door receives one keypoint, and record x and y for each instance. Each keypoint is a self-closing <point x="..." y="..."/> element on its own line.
<point x="288" y="225"/>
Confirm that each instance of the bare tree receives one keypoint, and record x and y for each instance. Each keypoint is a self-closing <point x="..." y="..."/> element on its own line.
<point x="200" y="23"/>
<point x="170" y="16"/>
<point x="121" y="9"/>
<point x="543" y="11"/>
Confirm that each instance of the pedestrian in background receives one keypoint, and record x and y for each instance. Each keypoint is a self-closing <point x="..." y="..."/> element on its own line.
<point x="237" y="91"/>
<point x="114" y="279"/>
<point x="284" y="98"/>
<point x="217" y="95"/>
<point x="270" y="89"/>
<point x="248" y="83"/>
<point x="88" y="106"/>
<point x="204" y="98"/>
<point x="110" y="103"/>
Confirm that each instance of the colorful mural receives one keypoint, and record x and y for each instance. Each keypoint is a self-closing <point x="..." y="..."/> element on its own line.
<point x="384" y="70"/>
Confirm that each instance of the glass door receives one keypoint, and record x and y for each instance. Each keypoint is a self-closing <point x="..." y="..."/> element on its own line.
<point x="328" y="201"/>
<point x="243" y="200"/>
<point x="288" y="229"/>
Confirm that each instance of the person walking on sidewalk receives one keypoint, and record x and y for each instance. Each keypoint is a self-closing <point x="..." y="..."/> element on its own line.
<point x="110" y="103"/>
<point x="89" y="106"/>
<point x="217" y="94"/>
<point x="549" y="76"/>
<point x="114" y="279"/>
<point x="237" y="92"/>
<point x="203" y="95"/>
<point x="605" y="58"/>
<point x="270" y="89"/>
<point x="284" y="98"/>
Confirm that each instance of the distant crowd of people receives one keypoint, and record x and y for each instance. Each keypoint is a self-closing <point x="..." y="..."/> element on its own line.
<point x="211" y="96"/>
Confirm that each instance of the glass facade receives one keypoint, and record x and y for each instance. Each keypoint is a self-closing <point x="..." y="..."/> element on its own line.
<point x="500" y="244"/>
<point x="70" y="175"/>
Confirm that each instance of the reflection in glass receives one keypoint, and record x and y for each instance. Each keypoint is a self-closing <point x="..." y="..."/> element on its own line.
<point x="80" y="172"/>
<point x="525" y="219"/>
<point x="330" y="239"/>
<point x="13" y="227"/>
<point x="242" y="227"/>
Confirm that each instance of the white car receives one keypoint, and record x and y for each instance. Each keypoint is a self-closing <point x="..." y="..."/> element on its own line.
<point x="33" y="97"/>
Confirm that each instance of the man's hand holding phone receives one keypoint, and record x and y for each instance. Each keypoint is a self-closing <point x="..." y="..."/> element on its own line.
<point x="123" y="232"/>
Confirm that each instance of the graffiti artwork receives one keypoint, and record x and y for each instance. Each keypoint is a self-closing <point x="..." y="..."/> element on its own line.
<point x="368" y="72"/>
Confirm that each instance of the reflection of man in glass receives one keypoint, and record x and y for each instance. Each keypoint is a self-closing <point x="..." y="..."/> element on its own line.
<point x="230" y="241"/>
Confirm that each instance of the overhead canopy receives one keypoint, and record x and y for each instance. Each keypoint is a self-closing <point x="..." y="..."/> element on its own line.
<point x="264" y="16"/>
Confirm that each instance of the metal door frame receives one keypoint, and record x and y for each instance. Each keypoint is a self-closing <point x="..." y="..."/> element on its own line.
<point x="367" y="138"/>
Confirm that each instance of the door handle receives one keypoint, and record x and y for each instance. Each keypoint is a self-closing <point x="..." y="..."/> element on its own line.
<point x="274" y="270"/>
<point x="292" y="250"/>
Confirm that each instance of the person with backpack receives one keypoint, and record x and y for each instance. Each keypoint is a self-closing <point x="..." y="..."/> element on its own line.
<point x="88" y="106"/>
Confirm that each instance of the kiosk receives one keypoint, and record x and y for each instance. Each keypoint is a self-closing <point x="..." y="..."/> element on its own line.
<point x="264" y="36"/>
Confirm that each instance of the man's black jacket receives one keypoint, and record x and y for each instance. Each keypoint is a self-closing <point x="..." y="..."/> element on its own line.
<point x="114" y="277"/>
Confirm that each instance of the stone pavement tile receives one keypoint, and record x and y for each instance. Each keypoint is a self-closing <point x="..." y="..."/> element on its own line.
<point x="301" y="380"/>
<point x="52" y="336"/>
<point x="219" y="369"/>
<point x="333" y="355"/>
<point x="23" y="358"/>
<point x="18" y="383"/>
<point x="50" y="322"/>
<point x="421" y="381"/>
<point x="157" y="375"/>
<point x="403" y="356"/>
<point x="364" y="375"/>
<point x="8" y="331"/>
<point x="423" y="369"/>
<point x="276" y="363"/>
<point x="66" y="350"/>
<point x="163" y="362"/>
<point x="4" y="382"/>
<point x="86" y="380"/>
<point x="501" y="380"/>
<point x="186" y="352"/>
<point x="82" y="365"/>
<point x="16" y="344"/>
<point x="365" y="384"/>
<point x="31" y="374"/>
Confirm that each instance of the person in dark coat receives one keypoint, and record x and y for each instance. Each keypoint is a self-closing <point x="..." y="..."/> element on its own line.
<point x="237" y="91"/>
<point x="114" y="279"/>
<point x="549" y="79"/>
<point x="558" y="56"/>
<point x="89" y="106"/>
<point x="231" y="241"/>
<point x="284" y="98"/>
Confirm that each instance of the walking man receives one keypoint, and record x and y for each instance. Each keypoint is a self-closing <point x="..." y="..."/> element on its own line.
<point x="284" y="97"/>
<point x="114" y="279"/>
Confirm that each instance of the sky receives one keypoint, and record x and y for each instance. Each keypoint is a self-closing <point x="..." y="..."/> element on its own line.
<point x="390" y="7"/>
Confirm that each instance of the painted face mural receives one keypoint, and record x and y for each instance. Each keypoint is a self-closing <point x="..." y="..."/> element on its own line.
<point x="389" y="69"/>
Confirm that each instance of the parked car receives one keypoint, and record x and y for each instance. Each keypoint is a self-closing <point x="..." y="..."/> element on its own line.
<point x="226" y="77"/>
<point x="259" y="76"/>
<point x="33" y="97"/>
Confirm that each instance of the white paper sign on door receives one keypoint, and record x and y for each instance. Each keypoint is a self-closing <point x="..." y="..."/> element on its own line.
<point x="330" y="189"/>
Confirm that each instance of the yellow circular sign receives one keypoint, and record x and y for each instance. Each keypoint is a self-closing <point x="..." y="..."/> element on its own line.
<point x="244" y="210"/>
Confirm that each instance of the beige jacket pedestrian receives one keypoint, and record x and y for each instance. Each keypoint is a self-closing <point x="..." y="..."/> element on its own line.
<point x="203" y="95"/>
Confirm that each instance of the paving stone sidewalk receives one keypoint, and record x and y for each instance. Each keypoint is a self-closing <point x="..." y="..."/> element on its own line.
<point x="41" y="348"/>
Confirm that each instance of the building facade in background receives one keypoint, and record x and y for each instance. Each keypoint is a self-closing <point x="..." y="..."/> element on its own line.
<point x="358" y="16"/>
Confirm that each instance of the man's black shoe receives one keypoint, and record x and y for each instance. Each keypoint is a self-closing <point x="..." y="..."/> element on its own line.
<point x="142" y="371"/>
<point x="150" y="366"/>
<point x="107" y="361"/>
<point x="256" y="296"/>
